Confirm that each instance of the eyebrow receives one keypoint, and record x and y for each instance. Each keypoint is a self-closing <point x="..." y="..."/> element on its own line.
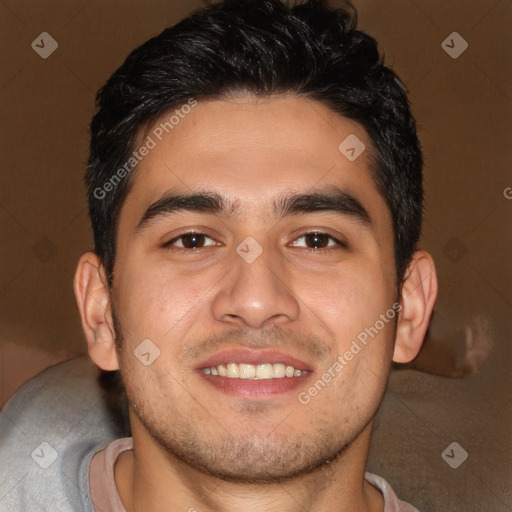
<point x="204" y="202"/>
<point x="331" y="199"/>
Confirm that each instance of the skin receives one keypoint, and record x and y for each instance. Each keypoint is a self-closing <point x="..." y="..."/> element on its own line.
<point x="195" y="446"/>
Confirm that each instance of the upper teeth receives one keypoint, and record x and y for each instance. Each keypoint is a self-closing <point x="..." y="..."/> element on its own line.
<point x="254" y="371"/>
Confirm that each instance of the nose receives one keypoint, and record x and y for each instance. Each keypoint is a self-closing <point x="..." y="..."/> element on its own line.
<point x="256" y="295"/>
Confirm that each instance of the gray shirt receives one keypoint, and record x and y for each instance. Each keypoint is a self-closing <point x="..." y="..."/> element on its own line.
<point x="49" y="431"/>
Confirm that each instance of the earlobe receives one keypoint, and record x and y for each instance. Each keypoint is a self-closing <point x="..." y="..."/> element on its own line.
<point x="419" y="294"/>
<point x="93" y="299"/>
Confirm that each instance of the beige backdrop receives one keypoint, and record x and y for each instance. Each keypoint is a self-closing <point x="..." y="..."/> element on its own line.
<point x="462" y="106"/>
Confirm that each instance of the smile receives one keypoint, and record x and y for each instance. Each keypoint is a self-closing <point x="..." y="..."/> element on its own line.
<point x="254" y="371"/>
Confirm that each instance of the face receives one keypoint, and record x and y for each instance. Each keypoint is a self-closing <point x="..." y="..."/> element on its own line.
<point x="249" y="245"/>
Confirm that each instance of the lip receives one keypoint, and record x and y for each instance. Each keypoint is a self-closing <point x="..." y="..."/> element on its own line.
<point x="259" y="356"/>
<point x="249" y="389"/>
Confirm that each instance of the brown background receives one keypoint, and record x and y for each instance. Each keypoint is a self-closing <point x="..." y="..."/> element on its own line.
<point x="462" y="106"/>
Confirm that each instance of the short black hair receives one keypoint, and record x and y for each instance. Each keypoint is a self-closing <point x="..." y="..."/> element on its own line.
<point x="262" y="48"/>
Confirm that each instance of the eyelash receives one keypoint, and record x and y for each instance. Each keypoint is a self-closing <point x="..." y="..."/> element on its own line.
<point x="340" y="244"/>
<point x="168" y="245"/>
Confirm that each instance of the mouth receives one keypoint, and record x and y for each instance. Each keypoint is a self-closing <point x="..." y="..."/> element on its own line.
<point x="254" y="373"/>
<point x="260" y="371"/>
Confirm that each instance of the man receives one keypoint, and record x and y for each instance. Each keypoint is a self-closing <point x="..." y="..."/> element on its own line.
<point x="255" y="192"/>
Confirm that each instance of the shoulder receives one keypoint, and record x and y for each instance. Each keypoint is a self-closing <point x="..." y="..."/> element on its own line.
<point x="49" y="431"/>
<point x="391" y="501"/>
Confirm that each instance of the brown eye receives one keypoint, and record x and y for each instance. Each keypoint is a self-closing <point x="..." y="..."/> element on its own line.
<point x="316" y="240"/>
<point x="191" y="241"/>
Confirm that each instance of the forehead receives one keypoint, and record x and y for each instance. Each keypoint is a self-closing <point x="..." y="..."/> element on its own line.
<point x="253" y="150"/>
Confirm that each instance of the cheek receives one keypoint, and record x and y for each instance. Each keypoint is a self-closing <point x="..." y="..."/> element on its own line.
<point x="346" y="301"/>
<point x="355" y="310"/>
<point x="160" y="300"/>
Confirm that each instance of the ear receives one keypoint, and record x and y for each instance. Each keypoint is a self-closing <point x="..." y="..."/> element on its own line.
<point x="419" y="294"/>
<point x="93" y="299"/>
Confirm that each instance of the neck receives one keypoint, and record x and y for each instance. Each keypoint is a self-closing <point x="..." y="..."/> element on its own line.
<point x="148" y="477"/>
